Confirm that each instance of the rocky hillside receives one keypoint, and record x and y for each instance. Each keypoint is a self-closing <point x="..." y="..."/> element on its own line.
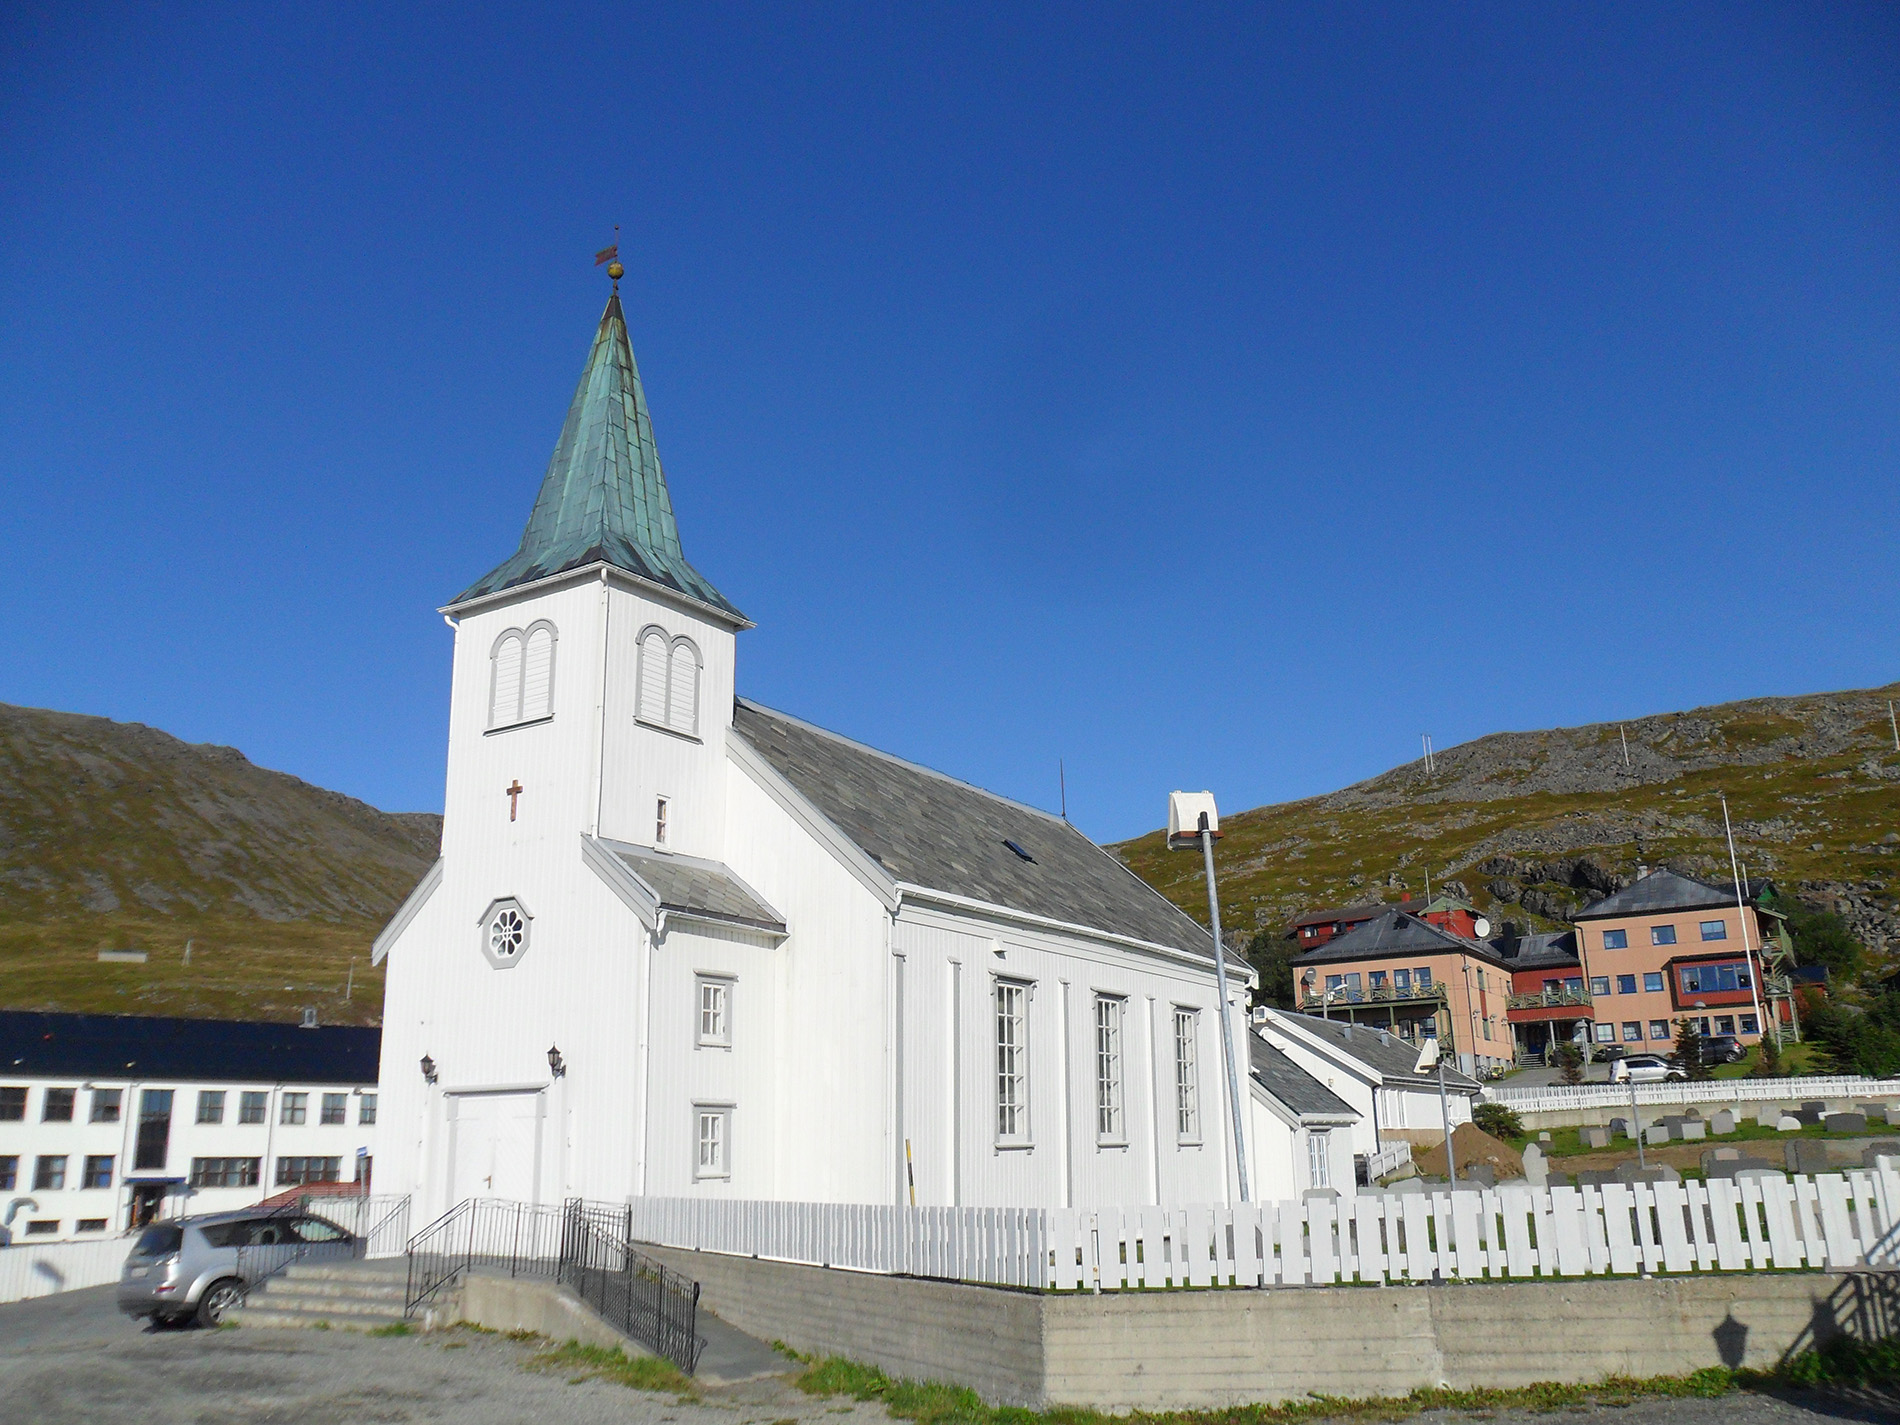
<point x="116" y="835"/>
<point x="1535" y="824"/>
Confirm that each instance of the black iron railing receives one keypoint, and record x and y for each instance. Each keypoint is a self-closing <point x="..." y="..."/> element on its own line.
<point x="583" y="1245"/>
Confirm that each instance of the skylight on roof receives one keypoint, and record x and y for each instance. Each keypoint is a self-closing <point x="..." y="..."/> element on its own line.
<point x="1019" y="851"/>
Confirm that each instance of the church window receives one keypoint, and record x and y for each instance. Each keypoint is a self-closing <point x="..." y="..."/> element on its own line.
<point x="659" y="821"/>
<point x="1012" y="1063"/>
<point x="1187" y="1075"/>
<point x="1109" y="1125"/>
<point x="505" y="929"/>
<point x="715" y="1140"/>
<point x="715" y="1011"/>
<point x="1319" y="1155"/>
<point x="668" y="695"/>
<point x="521" y="676"/>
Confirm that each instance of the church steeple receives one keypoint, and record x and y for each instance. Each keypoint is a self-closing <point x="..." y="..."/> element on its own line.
<point x="604" y="497"/>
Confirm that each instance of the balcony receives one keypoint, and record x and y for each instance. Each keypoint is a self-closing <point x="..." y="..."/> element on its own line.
<point x="1551" y="999"/>
<point x="1313" y="1001"/>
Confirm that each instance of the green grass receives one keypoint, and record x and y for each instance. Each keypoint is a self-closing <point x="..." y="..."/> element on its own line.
<point x="393" y="1328"/>
<point x="613" y="1364"/>
<point x="935" y="1403"/>
<point x="1568" y="1142"/>
<point x="1795" y="1059"/>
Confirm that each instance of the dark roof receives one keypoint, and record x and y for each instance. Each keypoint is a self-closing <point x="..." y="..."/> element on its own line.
<point x="1385" y="1054"/>
<point x="1661" y="891"/>
<point x="604" y="499"/>
<point x="1292" y="1085"/>
<point x="934" y="831"/>
<point x="101" y="1046"/>
<point x="1394" y="933"/>
<point x="1412" y="905"/>
<point x="1555" y="950"/>
<point x="695" y="887"/>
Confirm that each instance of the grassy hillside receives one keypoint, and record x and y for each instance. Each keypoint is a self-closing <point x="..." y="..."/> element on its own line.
<point x="116" y="836"/>
<point x="1532" y="825"/>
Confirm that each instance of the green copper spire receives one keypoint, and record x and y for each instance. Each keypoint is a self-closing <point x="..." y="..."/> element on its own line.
<point x="604" y="498"/>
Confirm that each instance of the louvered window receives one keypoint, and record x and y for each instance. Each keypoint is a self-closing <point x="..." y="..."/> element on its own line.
<point x="521" y="682"/>
<point x="668" y="695"/>
<point x="537" y="690"/>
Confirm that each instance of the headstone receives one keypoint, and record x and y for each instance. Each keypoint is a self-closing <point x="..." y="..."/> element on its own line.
<point x="1723" y="1123"/>
<point x="1811" y="1112"/>
<point x="1881" y="1148"/>
<point x="1481" y="1173"/>
<point x="1405" y="1186"/>
<point x="1558" y="1180"/>
<point x="1661" y="1173"/>
<point x="1596" y="1177"/>
<point x="1873" y="1112"/>
<point x="1788" y="1123"/>
<point x="1620" y="1128"/>
<point x="1656" y="1133"/>
<point x="1845" y="1123"/>
<point x="1536" y="1165"/>
<point x="1804" y="1155"/>
<point x="1693" y="1113"/>
<point x="1724" y="1155"/>
<point x="1770" y="1117"/>
<point x="1673" y="1122"/>
<point x="1749" y="1170"/>
<point x="1544" y="1137"/>
<point x="1734" y="1167"/>
<point x="1595" y="1135"/>
<point x="1693" y="1129"/>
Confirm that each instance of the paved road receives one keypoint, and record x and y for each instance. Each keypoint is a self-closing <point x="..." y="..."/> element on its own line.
<point x="72" y="1358"/>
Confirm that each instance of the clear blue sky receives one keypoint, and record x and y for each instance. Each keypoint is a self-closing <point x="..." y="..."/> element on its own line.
<point x="1209" y="397"/>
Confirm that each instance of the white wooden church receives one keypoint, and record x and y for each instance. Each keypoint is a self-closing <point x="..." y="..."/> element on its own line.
<point x="681" y="944"/>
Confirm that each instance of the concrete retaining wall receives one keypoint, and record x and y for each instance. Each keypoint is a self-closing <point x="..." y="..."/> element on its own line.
<point x="1182" y="1349"/>
<point x="503" y="1303"/>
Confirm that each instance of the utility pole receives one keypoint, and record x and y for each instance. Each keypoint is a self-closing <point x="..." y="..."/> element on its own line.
<point x="1741" y="912"/>
<point x="1626" y="743"/>
<point x="1894" y="723"/>
<point x="1636" y="1128"/>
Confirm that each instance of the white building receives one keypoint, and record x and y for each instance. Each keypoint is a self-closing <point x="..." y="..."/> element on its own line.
<point x="1302" y="1130"/>
<point x="1372" y="1071"/>
<point x="681" y="944"/>
<point x="107" y="1121"/>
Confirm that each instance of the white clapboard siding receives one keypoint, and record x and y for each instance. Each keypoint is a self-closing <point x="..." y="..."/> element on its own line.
<point x="60" y="1266"/>
<point x="1561" y="1098"/>
<point x="1515" y="1231"/>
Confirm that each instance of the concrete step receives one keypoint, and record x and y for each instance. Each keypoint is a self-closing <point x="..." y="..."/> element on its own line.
<point x="390" y="1269"/>
<point x="279" y="1318"/>
<point x="339" y="1305"/>
<point x="367" y="1289"/>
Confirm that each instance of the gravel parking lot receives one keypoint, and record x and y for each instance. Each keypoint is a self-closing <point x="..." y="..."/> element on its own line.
<point x="72" y="1358"/>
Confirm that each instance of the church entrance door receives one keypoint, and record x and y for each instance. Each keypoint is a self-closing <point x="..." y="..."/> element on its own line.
<point x="495" y="1146"/>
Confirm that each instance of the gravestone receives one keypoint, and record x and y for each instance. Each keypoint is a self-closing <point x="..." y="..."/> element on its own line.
<point x="1481" y="1174"/>
<point x="1749" y="1170"/>
<point x="1845" y="1123"/>
<point x="1544" y="1137"/>
<point x="1770" y="1117"/>
<point x="1873" y="1112"/>
<point x="1788" y="1123"/>
<point x="1723" y="1123"/>
<point x="1673" y="1122"/>
<point x="1557" y="1180"/>
<point x="1597" y="1177"/>
<point x="1734" y="1166"/>
<point x="1661" y="1173"/>
<point x="1595" y="1135"/>
<point x="1620" y="1128"/>
<point x="1405" y="1186"/>
<point x="1881" y="1148"/>
<point x="1811" y="1112"/>
<point x="1656" y="1133"/>
<point x="1804" y="1155"/>
<point x="1692" y="1130"/>
<point x="1536" y="1166"/>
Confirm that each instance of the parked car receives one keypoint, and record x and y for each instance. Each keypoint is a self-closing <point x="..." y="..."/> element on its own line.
<point x="1645" y="1069"/>
<point x="1608" y="1053"/>
<point x="198" y="1268"/>
<point x="1723" y="1049"/>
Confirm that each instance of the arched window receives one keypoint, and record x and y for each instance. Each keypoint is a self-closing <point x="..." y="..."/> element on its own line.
<point x="521" y="679"/>
<point x="668" y="695"/>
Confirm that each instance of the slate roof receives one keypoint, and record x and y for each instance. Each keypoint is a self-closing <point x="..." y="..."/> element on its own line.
<point x="1394" y="933"/>
<point x="1385" y="1054"/>
<point x="1662" y="891"/>
<point x="1556" y="950"/>
<point x="107" y="1046"/>
<point x="1296" y="1089"/>
<point x="692" y="886"/>
<point x="604" y="498"/>
<point x="934" y="831"/>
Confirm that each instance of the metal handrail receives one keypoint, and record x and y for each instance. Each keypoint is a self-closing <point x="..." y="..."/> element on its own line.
<point x="1377" y="994"/>
<point x="1536" y="999"/>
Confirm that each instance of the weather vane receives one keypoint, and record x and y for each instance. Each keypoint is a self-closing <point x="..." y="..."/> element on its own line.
<point x="611" y="256"/>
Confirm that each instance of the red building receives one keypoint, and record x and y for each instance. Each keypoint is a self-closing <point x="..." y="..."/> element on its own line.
<point x="1448" y="913"/>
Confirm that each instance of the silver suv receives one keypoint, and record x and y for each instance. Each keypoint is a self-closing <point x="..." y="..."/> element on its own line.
<point x="200" y="1267"/>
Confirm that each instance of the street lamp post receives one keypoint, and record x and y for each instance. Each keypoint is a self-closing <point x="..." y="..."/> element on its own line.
<point x="1192" y="817"/>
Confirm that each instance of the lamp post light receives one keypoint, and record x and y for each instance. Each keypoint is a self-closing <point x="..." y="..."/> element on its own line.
<point x="1192" y="817"/>
<point x="556" y="1064"/>
<point x="428" y="1069"/>
<point x="1428" y="1059"/>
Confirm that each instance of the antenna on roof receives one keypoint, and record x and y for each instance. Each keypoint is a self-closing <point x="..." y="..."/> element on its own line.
<point x="1062" y="778"/>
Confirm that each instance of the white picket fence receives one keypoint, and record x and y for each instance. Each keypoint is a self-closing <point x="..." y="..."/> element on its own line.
<point x="1388" y="1159"/>
<point x="1563" y="1097"/>
<point x="60" y="1266"/>
<point x="1830" y="1220"/>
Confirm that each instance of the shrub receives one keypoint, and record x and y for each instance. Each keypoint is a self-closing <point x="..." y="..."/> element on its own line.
<point x="1497" y="1120"/>
<point x="1570" y="1064"/>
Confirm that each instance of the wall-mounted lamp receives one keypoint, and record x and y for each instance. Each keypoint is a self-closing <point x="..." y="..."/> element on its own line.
<point x="556" y="1064"/>
<point x="428" y="1069"/>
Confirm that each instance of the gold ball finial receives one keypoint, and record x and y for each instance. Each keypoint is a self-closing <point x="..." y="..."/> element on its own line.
<point x="615" y="270"/>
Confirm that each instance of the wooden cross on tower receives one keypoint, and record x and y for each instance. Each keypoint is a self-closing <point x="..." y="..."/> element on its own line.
<point x="514" y="797"/>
